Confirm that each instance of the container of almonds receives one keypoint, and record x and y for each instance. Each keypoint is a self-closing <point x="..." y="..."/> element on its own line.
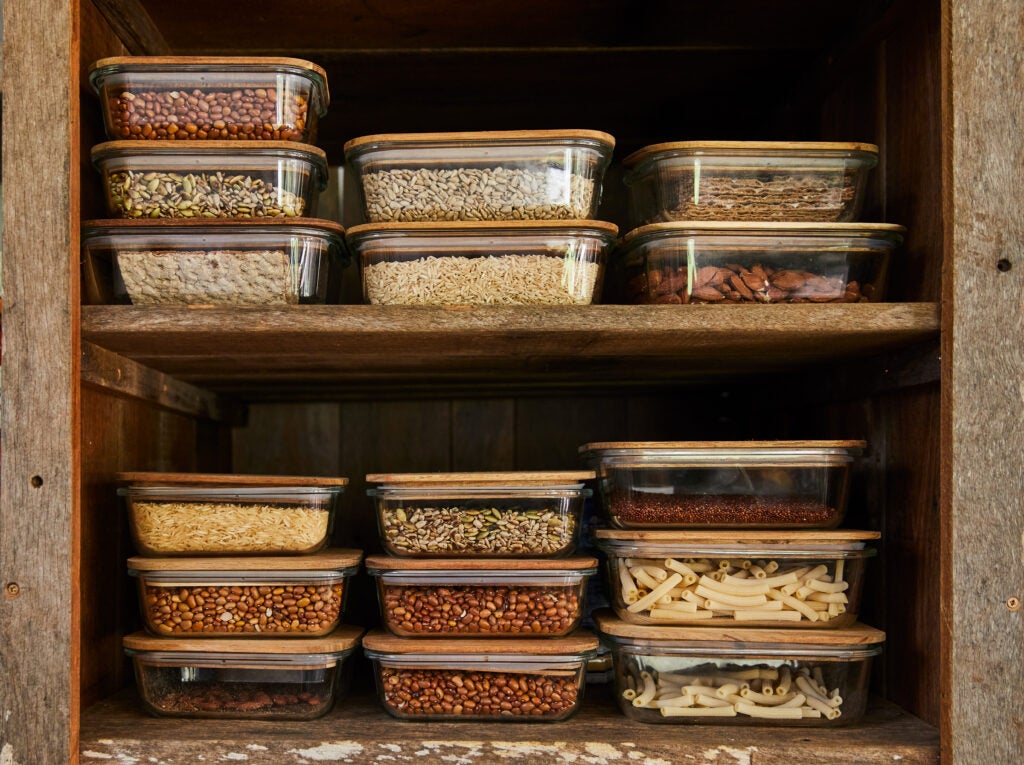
<point x="480" y="515"/>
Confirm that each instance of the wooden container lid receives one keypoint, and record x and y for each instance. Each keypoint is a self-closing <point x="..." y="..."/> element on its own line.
<point x="721" y="445"/>
<point x="495" y="479"/>
<point x="226" y="480"/>
<point x="274" y="149"/>
<point x="229" y="225"/>
<point x="326" y="560"/>
<point x="489" y="565"/>
<point x="596" y="227"/>
<point x="727" y="148"/>
<point x="726" y="536"/>
<point x="763" y="228"/>
<point x="344" y="638"/>
<point x="482" y="137"/>
<point x="580" y="641"/>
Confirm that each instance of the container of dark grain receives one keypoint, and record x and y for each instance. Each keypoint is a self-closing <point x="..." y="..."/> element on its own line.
<point x="211" y="179"/>
<point x="511" y="680"/>
<point x="723" y="484"/>
<point x="690" y="675"/>
<point x="723" y="263"/>
<point x="200" y="98"/>
<point x="748" y="180"/>
<point x="271" y="597"/>
<point x="512" y="263"/>
<point x="809" y="579"/>
<point x="197" y="514"/>
<point x="480" y="515"/>
<point x="487" y="176"/>
<point x="451" y="597"/>
<point x="241" y="678"/>
<point x="280" y="261"/>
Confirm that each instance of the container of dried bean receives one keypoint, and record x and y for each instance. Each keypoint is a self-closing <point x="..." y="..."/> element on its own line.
<point x="810" y="579"/>
<point x="480" y="515"/>
<point x="280" y="261"/>
<point x="449" y="597"/>
<point x="722" y="263"/>
<point x="195" y="514"/>
<point x="723" y="484"/>
<point x="512" y="680"/>
<point x="514" y="263"/>
<point x="792" y="678"/>
<point x="487" y="176"/>
<point x="210" y="179"/>
<point x="748" y="180"/>
<point x="241" y="678"/>
<point x="197" y="98"/>
<point x="297" y="597"/>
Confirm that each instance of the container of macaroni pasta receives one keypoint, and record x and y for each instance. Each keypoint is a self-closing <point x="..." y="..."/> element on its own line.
<point x="748" y="677"/>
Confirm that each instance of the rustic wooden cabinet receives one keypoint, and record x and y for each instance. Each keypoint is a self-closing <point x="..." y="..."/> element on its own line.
<point x="932" y="380"/>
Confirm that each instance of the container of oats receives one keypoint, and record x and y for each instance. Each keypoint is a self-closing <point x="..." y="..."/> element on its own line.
<point x="485" y="176"/>
<point x="280" y="261"/>
<point x="473" y="263"/>
<point x="210" y="179"/>
<point x="483" y="515"/>
<point x="195" y="514"/>
<point x="748" y="180"/>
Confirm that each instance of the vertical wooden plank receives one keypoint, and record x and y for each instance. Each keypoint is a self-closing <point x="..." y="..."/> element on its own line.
<point x="483" y="434"/>
<point x="289" y="439"/>
<point x="550" y="430"/>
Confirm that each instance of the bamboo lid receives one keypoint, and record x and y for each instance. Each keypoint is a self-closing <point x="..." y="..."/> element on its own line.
<point x="143" y="149"/>
<point x="595" y="227"/>
<point x="225" y="480"/>
<point x="382" y="140"/>
<point x="725" y="536"/>
<point x="228" y="225"/>
<point x="722" y="445"/>
<point x="763" y="228"/>
<point x="502" y="479"/>
<point x="725" y="148"/>
<point x="490" y="565"/>
<point x="344" y="638"/>
<point x="326" y="560"/>
<point x="580" y="641"/>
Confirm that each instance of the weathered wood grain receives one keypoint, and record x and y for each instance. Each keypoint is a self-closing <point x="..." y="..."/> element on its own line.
<point x="131" y="22"/>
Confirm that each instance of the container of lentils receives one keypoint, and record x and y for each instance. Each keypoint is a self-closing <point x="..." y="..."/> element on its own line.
<point x="450" y="597"/>
<point x="748" y="180"/>
<point x="197" y="98"/>
<point x="723" y="484"/>
<point x="511" y="680"/>
<point x="488" y="176"/>
<point x="298" y="596"/>
<point x="741" y="578"/>
<point x="241" y="678"/>
<point x="211" y="179"/>
<point x="480" y="515"/>
<point x="721" y="263"/>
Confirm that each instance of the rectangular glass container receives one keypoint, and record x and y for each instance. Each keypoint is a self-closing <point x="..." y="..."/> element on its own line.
<point x="512" y="680"/>
<point x="241" y="678"/>
<point x="748" y="180"/>
<point x="198" y="98"/>
<point x="274" y="597"/>
<point x="480" y="515"/>
<point x="798" y="678"/>
<point x="723" y="484"/>
<point x="485" y="176"/>
<point x="809" y="579"/>
<point x="210" y="179"/>
<point x="517" y="263"/>
<point x="451" y="597"/>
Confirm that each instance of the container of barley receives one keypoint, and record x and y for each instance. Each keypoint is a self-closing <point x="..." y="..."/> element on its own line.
<point x="515" y="263"/>
<point x="757" y="676"/>
<point x="510" y="680"/>
<point x="748" y="180"/>
<point x="808" y="579"/>
<point x="272" y="597"/>
<point x="241" y="678"/>
<point x="279" y="261"/>
<point x="722" y="263"/>
<point x="487" y="176"/>
<point x="452" y="597"/>
<point x="723" y="484"/>
<point x="480" y="515"/>
<point x="210" y="179"/>
<point x="197" y="514"/>
<point x="209" y="98"/>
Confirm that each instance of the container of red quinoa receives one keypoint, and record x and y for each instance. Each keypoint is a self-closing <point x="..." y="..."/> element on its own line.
<point x="723" y="484"/>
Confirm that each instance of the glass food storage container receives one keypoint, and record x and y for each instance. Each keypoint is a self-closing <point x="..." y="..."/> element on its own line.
<point x="512" y="680"/>
<point x="725" y="263"/>
<point x="517" y="263"/>
<point x="737" y="578"/>
<point x="197" y="98"/>
<point x="447" y="597"/>
<point x="723" y="484"/>
<point x="801" y="678"/>
<point x="211" y="179"/>
<point x="280" y="261"/>
<point x="298" y="596"/>
<point x="197" y="514"/>
<point x="486" y="176"/>
<point x="748" y="180"/>
<point x="480" y="515"/>
<point x="241" y="678"/>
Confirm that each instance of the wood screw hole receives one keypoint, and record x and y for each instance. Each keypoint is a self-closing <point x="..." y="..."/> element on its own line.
<point x="36" y="481"/>
<point x="12" y="589"/>
<point x="1004" y="265"/>
<point x="1013" y="603"/>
